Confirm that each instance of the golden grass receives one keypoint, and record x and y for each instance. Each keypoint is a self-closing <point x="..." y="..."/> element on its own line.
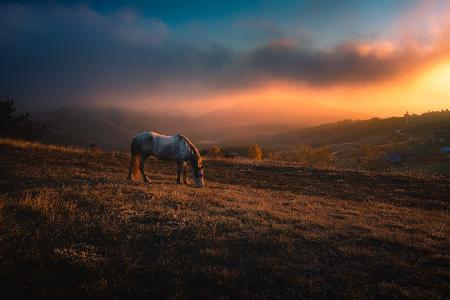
<point x="17" y="143"/>
<point x="72" y="226"/>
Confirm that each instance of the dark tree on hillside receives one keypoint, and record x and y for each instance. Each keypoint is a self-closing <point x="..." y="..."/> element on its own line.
<point x="18" y="125"/>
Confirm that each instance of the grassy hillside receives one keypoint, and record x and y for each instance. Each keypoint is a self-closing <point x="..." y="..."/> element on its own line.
<point x="378" y="130"/>
<point x="73" y="227"/>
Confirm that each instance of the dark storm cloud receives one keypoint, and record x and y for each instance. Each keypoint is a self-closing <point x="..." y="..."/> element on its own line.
<point x="341" y="65"/>
<point x="59" y="54"/>
<point x="53" y="55"/>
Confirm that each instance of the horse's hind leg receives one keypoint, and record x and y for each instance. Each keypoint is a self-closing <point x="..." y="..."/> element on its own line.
<point x="135" y="158"/>
<point x="130" y="170"/>
<point x="142" y="167"/>
<point x="185" y="181"/>
<point x="179" y="166"/>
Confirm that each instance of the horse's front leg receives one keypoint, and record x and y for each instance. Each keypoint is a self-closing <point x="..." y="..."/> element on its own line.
<point x="185" y="181"/>
<point x="179" y="166"/>
<point x="142" y="167"/>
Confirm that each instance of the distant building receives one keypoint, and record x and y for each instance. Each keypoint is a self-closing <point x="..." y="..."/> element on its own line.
<point x="407" y="116"/>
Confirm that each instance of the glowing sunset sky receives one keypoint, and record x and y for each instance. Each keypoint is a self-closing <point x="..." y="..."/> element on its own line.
<point x="379" y="58"/>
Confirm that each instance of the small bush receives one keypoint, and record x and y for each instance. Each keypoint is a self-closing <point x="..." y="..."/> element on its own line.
<point x="255" y="152"/>
<point x="215" y="151"/>
<point x="371" y="157"/>
<point x="94" y="148"/>
<point x="305" y="154"/>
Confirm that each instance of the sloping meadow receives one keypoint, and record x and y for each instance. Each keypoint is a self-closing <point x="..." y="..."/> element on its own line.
<point x="72" y="226"/>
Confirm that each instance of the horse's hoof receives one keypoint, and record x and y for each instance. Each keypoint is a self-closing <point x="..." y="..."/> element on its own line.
<point x="178" y="182"/>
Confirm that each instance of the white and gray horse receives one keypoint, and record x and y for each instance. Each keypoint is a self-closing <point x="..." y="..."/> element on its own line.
<point x="176" y="148"/>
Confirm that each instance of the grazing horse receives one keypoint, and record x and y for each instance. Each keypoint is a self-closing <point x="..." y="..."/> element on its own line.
<point x="176" y="148"/>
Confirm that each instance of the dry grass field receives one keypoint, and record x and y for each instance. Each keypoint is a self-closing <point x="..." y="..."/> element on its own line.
<point x="71" y="226"/>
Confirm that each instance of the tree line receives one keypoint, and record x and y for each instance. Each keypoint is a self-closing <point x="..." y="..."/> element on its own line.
<point x="17" y="125"/>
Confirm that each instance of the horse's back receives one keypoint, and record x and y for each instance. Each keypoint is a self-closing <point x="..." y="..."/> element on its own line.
<point x="162" y="146"/>
<point x="143" y="142"/>
<point x="165" y="146"/>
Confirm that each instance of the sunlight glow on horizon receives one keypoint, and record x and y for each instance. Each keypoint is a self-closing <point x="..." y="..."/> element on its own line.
<point x="427" y="90"/>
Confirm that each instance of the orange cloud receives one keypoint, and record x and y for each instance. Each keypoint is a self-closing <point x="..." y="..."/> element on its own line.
<point x="381" y="49"/>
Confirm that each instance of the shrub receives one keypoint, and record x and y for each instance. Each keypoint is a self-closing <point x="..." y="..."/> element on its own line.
<point x="305" y="154"/>
<point x="94" y="148"/>
<point x="302" y="154"/>
<point x="215" y="151"/>
<point x="371" y="157"/>
<point x="255" y="152"/>
<point x="321" y="156"/>
<point x="270" y="154"/>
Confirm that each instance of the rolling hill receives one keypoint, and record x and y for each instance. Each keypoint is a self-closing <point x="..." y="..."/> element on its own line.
<point x="414" y="127"/>
<point x="112" y="128"/>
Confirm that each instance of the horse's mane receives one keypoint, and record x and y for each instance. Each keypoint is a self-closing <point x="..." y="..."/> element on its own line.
<point x="194" y="150"/>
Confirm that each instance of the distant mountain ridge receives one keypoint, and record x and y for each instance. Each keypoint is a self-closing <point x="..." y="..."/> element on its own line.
<point x="113" y="128"/>
<point x="299" y="113"/>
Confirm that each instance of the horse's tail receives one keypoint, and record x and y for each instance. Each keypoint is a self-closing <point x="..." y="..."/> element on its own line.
<point x="135" y="159"/>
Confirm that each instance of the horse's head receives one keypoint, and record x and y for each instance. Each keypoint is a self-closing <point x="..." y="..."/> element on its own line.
<point x="197" y="173"/>
<point x="196" y="163"/>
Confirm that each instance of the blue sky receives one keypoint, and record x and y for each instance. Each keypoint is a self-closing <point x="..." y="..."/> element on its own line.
<point x="327" y="22"/>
